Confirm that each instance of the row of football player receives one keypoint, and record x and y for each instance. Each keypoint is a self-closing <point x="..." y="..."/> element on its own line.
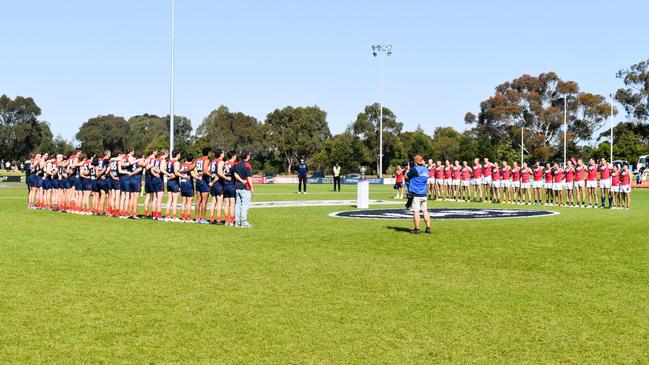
<point x="111" y="185"/>
<point x="575" y="185"/>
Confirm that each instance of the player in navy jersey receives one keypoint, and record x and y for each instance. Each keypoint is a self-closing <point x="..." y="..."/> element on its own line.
<point x="187" y="176"/>
<point x="135" y="184"/>
<point x="76" y="181"/>
<point x="60" y="169"/>
<point x="37" y="169"/>
<point x="216" y="187"/>
<point x="94" y="192"/>
<point x="157" y="190"/>
<point x="27" y="167"/>
<point x="47" y="183"/>
<point x="113" y="184"/>
<point x="123" y="168"/>
<point x="102" y="182"/>
<point x="84" y="178"/>
<point x="202" y="188"/>
<point x="229" y="191"/>
<point x="148" y="176"/>
<point x="172" y="171"/>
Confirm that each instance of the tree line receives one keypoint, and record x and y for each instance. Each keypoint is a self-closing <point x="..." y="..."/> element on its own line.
<point x="534" y="104"/>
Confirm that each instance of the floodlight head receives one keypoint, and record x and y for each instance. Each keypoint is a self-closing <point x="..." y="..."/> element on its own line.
<point x="389" y="53"/>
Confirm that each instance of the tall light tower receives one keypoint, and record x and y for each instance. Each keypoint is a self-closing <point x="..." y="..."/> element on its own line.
<point x="380" y="50"/>
<point x="171" y="98"/>
<point x="565" y="130"/>
<point x="611" y="141"/>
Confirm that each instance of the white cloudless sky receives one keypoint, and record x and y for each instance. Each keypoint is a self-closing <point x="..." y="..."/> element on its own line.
<point x="80" y="59"/>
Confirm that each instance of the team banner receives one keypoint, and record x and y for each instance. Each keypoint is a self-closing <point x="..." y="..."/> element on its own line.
<point x="10" y="179"/>
<point x="317" y="180"/>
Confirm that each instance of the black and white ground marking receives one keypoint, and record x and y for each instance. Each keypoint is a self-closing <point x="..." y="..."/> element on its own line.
<point x="444" y="213"/>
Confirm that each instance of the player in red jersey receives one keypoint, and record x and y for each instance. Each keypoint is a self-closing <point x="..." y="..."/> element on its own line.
<point x="516" y="183"/>
<point x="448" y="180"/>
<point x="537" y="185"/>
<point x="476" y="181"/>
<point x="580" y="183"/>
<point x="526" y="172"/>
<point x="505" y="183"/>
<point x="591" y="184"/>
<point x="570" y="184"/>
<point x="455" y="179"/>
<point x="439" y="180"/>
<point x="557" y="184"/>
<point x="431" y="182"/>
<point x="605" y="182"/>
<point x="487" y="179"/>
<point x="625" y="187"/>
<point x="398" y="182"/>
<point x="547" y="174"/>
<point x="465" y="177"/>
<point x="615" y="186"/>
<point x="495" y="183"/>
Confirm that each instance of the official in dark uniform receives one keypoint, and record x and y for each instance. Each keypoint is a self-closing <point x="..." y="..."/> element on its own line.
<point x="302" y="170"/>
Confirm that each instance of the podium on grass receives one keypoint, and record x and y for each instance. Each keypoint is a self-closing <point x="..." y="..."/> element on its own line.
<point x="363" y="191"/>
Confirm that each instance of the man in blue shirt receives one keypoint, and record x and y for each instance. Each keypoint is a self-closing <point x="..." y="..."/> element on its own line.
<point x="302" y="169"/>
<point x="417" y="189"/>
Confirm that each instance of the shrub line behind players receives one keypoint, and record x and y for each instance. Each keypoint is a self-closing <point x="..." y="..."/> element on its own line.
<point x="575" y="185"/>
<point x="114" y="183"/>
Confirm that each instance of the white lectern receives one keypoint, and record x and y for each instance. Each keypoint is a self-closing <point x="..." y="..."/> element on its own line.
<point x="363" y="194"/>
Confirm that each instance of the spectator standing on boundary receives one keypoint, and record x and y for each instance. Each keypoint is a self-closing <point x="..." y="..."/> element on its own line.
<point x="336" y="177"/>
<point x="244" y="188"/>
<point x="302" y="170"/>
<point x="418" y="179"/>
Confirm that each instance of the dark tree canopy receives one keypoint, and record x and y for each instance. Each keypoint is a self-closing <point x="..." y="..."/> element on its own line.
<point x="417" y="143"/>
<point x="21" y="132"/>
<point x="366" y="127"/>
<point x="345" y="149"/>
<point x="231" y="130"/>
<point x="635" y="95"/>
<point x="536" y="104"/>
<point x="149" y="132"/>
<point x="297" y="132"/>
<point x="105" y="132"/>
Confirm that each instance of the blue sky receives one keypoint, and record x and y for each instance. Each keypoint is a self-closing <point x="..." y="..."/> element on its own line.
<point x="80" y="59"/>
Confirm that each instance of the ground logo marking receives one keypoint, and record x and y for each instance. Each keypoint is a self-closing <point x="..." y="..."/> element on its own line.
<point x="444" y="213"/>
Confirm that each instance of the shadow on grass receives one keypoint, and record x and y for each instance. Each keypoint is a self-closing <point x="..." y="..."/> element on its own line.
<point x="399" y="229"/>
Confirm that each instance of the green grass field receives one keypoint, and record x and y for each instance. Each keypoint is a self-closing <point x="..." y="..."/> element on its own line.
<point x="303" y="287"/>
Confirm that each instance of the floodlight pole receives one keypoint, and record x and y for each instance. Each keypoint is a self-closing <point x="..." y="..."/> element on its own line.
<point x="565" y="130"/>
<point x="381" y="123"/>
<point x="611" y="141"/>
<point x="379" y="50"/>
<point x="522" y="129"/>
<point x="171" y="98"/>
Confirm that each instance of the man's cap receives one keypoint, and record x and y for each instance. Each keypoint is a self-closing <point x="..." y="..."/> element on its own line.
<point x="419" y="160"/>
